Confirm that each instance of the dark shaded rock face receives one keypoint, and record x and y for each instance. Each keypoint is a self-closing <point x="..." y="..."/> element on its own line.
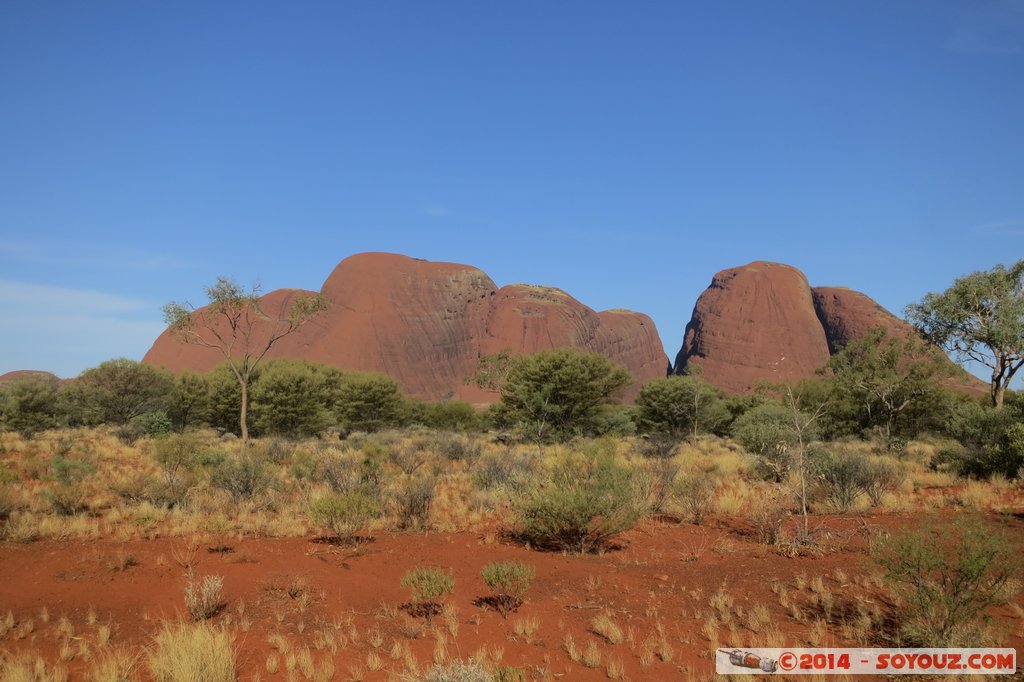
<point x="426" y="324"/>
<point x="847" y="315"/>
<point x="763" y="322"/>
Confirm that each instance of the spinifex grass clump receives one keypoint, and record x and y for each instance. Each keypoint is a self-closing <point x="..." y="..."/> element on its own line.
<point x="427" y="585"/>
<point x="510" y="581"/>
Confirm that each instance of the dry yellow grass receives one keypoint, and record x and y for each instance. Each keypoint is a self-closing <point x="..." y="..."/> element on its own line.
<point x="604" y="626"/>
<point x="190" y="652"/>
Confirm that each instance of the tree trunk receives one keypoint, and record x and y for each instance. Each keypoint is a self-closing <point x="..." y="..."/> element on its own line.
<point x="242" y="420"/>
<point x="998" y="393"/>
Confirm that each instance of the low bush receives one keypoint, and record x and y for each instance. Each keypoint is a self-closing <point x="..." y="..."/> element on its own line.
<point x="944" y="576"/>
<point x="510" y="470"/>
<point x="768" y="513"/>
<point x="242" y="477"/>
<point x="510" y="581"/>
<point x="427" y="586"/>
<point x="204" y="598"/>
<point x="69" y="470"/>
<point x="844" y="478"/>
<point x="587" y="502"/>
<point x="695" y="495"/>
<point x="412" y="501"/>
<point x="344" y="514"/>
<point x="67" y="500"/>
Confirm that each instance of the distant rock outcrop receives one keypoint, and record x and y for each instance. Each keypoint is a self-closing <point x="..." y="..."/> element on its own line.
<point x="754" y="323"/>
<point x="763" y="322"/>
<point x="426" y="324"/>
<point x="20" y="374"/>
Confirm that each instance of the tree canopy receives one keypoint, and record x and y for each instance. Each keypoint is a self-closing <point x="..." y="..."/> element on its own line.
<point x="979" y="318"/>
<point x="557" y="393"/>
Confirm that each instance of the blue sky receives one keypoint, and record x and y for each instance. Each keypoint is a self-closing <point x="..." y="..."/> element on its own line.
<point x="624" y="152"/>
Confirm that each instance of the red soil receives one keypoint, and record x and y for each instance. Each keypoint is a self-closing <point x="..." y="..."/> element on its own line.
<point x="662" y="572"/>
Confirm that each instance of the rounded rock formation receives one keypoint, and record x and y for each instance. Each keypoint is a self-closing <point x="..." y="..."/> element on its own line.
<point x="754" y="323"/>
<point x="427" y="324"/>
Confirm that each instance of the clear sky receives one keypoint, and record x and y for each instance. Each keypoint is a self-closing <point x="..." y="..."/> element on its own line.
<point x="623" y="151"/>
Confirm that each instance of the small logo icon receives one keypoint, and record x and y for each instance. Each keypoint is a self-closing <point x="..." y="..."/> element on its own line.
<point x="745" y="659"/>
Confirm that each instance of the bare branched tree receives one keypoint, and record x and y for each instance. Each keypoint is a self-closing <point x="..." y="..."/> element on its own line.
<point x="235" y="324"/>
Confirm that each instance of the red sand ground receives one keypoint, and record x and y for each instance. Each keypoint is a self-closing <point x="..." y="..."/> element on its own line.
<point x="663" y="571"/>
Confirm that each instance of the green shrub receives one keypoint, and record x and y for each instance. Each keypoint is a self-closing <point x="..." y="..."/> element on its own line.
<point x="457" y="447"/>
<point x="944" y="576"/>
<point x="767" y="432"/>
<point x="427" y="585"/>
<point x="155" y="423"/>
<point x="993" y="441"/>
<point x="556" y="394"/>
<point x="588" y="501"/>
<point x="243" y="477"/>
<point x="510" y="581"/>
<point x="615" y="420"/>
<point x="681" y="406"/>
<point x="177" y="455"/>
<point x="368" y="402"/>
<point x="68" y="470"/>
<point x="115" y="392"/>
<point x="454" y="415"/>
<point x="344" y="514"/>
<point x="844" y="477"/>
<point x="130" y="433"/>
<point x="510" y="470"/>
<point x="293" y="398"/>
<point x="28" y="404"/>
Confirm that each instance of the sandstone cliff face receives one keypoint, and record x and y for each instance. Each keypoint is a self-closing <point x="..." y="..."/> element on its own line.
<point x="426" y="324"/>
<point x="754" y="323"/>
<point x="763" y="322"/>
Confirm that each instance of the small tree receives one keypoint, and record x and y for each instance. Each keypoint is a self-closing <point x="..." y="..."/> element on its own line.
<point x="887" y="375"/>
<point x="979" y="318"/>
<point x="364" y="401"/>
<point x="115" y="392"/>
<point x="557" y="393"/>
<point x="292" y="398"/>
<point x="681" y="405"/>
<point x="235" y="324"/>
<point x="28" y="404"/>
